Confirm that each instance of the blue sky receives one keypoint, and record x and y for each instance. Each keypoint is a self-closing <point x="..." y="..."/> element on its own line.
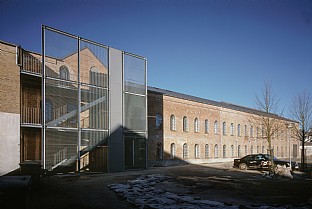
<point x="219" y="50"/>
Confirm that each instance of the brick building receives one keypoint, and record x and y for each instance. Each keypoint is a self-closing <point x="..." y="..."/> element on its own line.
<point x="78" y="106"/>
<point x="83" y="106"/>
<point x="186" y="128"/>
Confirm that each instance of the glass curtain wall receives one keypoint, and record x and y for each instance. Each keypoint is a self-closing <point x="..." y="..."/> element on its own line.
<point x="75" y="95"/>
<point x="135" y="127"/>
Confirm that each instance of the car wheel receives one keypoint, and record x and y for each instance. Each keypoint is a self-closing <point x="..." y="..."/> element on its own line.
<point x="243" y="166"/>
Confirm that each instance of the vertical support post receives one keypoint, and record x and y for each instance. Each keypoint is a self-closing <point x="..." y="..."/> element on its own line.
<point x="43" y="97"/>
<point x="79" y="107"/>
<point x="146" y="119"/>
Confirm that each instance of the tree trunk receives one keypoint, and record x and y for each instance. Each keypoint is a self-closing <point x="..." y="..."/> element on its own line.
<point x="302" y="157"/>
<point x="271" y="169"/>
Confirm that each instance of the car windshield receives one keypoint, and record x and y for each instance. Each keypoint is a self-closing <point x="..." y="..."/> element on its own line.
<point x="269" y="157"/>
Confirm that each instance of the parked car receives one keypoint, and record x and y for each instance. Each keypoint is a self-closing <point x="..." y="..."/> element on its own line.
<point x="260" y="161"/>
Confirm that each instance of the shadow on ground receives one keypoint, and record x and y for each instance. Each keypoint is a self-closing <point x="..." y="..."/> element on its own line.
<point x="216" y="182"/>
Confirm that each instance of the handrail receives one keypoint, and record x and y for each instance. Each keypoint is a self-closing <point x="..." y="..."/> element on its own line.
<point x="31" y="115"/>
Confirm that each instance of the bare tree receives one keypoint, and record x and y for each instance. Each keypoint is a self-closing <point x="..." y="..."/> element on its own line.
<point x="268" y="119"/>
<point x="301" y="111"/>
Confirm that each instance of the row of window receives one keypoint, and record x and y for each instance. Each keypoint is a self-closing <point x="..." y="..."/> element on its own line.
<point x="240" y="149"/>
<point x="216" y="127"/>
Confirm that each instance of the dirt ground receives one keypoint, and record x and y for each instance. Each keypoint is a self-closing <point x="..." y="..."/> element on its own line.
<point x="218" y="182"/>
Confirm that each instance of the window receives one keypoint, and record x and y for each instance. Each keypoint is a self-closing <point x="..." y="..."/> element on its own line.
<point x="246" y="150"/>
<point x="159" y="119"/>
<point x="159" y="150"/>
<point x="238" y="130"/>
<point x="282" y="151"/>
<point x="232" y="150"/>
<point x="185" y="151"/>
<point x="216" y="127"/>
<point x="206" y="126"/>
<point x="263" y="149"/>
<point x="277" y="151"/>
<point x="232" y="129"/>
<point x="172" y="123"/>
<point x="64" y="73"/>
<point x="251" y="149"/>
<point x="224" y="150"/>
<point x="224" y="128"/>
<point x="245" y="130"/>
<point x="239" y="151"/>
<point x="97" y="78"/>
<point x="258" y="151"/>
<point x="251" y="131"/>
<point x="185" y="124"/>
<point x="48" y="110"/>
<point x="257" y="132"/>
<point x="206" y="151"/>
<point x="172" y="150"/>
<point x="196" y="151"/>
<point x="196" y="125"/>
<point x="262" y="132"/>
<point x="216" y="151"/>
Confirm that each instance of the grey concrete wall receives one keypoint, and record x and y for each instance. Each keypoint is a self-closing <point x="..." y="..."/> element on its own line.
<point x="116" y="142"/>
<point x="9" y="142"/>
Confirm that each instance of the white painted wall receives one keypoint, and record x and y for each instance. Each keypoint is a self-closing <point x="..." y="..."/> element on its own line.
<point x="9" y="142"/>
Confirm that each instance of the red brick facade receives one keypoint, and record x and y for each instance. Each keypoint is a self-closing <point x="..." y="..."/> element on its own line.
<point x="210" y="146"/>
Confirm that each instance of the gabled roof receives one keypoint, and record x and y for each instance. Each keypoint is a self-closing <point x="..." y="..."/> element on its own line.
<point x="214" y="103"/>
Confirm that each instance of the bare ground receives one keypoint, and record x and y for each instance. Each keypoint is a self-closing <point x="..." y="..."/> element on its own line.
<point x="217" y="182"/>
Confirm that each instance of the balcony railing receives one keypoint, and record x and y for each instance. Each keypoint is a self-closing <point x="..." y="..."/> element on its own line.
<point x="31" y="64"/>
<point x="31" y="115"/>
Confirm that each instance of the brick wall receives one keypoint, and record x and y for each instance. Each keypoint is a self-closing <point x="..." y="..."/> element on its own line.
<point x="168" y="105"/>
<point x="9" y="80"/>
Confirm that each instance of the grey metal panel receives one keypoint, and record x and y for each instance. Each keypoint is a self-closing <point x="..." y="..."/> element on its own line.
<point x="116" y="144"/>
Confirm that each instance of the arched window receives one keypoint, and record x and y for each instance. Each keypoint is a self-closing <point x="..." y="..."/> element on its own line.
<point x="48" y="110"/>
<point x="251" y="131"/>
<point x="246" y="150"/>
<point x="224" y="128"/>
<point x="185" y="124"/>
<point x="206" y="151"/>
<point x="232" y="150"/>
<point x="238" y="130"/>
<point x="277" y="151"/>
<point x="172" y="123"/>
<point x="251" y="149"/>
<point x="64" y="73"/>
<point x="224" y="150"/>
<point x="196" y="125"/>
<point x="185" y="151"/>
<point x="216" y="127"/>
<point x="232" y="129"/>
<point x="245" y="131"/>
<point x="159" y="150"/>
<point x="97" y="78"/>
<point x="263" y="150"/>
<point x="196" y="151"/>
<point x="216" y="151"/>
<point x="239" y="152"/>
<point x="159" y="120"/>
<point x="206" y="126"/>
<point x="172" y="151"/>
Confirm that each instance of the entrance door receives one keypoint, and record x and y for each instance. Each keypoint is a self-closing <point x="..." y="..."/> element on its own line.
<point x="135" y="152"/>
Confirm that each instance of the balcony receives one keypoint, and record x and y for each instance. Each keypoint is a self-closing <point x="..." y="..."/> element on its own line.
<point x="31" y="115"/>
<point x="31" y="64"/>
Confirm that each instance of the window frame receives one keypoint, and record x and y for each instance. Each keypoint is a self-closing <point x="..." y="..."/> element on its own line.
<point x="172" y="123"/>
